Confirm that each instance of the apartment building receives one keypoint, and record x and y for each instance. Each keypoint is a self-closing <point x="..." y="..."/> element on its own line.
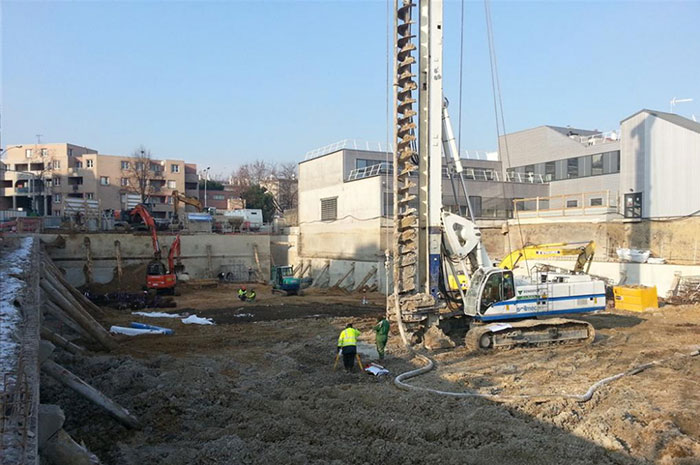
<point x="227" y="198"/>
<point x="51" y="179"/>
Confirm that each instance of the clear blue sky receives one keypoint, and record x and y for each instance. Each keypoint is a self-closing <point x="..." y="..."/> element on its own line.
<point x="223" y="83"/>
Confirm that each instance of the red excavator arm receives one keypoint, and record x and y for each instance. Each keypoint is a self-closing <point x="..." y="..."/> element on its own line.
<point x="174" y="251"/>
<point x="148" y="221"/>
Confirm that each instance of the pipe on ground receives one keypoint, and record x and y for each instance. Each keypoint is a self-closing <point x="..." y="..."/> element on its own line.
<point x="585" y="397"/>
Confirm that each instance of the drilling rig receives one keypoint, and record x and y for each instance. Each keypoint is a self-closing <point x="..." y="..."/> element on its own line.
<point x="433" y="248"/>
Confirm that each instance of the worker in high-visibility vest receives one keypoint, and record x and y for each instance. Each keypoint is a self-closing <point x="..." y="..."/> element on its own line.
<point x="347" y="345"/>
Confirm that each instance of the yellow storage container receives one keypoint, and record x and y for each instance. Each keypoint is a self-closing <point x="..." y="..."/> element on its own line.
<point x="635" y="298"/>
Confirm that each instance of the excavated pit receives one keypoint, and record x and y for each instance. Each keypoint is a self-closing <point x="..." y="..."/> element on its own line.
<point x="262" y="390"/>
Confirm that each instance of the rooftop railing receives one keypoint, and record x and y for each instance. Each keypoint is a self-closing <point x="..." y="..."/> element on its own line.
<point x="348" y="144"/>
<point x="369" y="171"/>
<point x="595" y="139"/>
<point x="531" y="178"/>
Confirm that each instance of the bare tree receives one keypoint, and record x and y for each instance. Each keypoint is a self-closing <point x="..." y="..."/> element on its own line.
<point x="260" y="171"/>
<point x="288" y="185"/>
<point x="287" y="170"/>
<point x="141" y="172"/>
<point x="252" y="174"/>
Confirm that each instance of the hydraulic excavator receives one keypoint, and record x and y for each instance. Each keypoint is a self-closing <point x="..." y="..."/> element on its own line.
<point x="181" y="198"/>
<point x="159" y="278"/>
<point x="584" y="252"/>
<point x="432" y="248"/>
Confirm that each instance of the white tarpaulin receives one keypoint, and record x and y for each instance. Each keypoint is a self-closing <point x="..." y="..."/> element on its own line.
<point x="194" y="319"/>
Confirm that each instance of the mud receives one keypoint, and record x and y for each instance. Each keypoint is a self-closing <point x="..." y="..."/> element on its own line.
<point x="254" y="392"/>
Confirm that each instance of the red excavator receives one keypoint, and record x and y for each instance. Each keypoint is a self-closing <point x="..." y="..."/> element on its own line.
<point x="157" y="276"/>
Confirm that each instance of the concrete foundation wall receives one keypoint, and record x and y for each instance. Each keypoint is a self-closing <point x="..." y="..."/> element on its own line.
<point x="676" y="241"/>
<point x="338" y="268"/>
<point x="202" y="254"/>
<point x="284" y="249"/>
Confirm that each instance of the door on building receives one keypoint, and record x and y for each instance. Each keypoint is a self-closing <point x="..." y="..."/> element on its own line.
<point x="633" y="205"/>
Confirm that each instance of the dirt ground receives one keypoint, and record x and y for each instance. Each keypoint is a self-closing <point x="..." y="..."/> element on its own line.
<point x="260" y="389"/>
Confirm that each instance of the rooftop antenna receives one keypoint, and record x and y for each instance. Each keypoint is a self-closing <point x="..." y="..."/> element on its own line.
<point x="38" y="138"/>
<point x="674" y="101"/>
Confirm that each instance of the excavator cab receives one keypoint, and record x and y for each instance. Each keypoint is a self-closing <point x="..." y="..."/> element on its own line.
<point x="489" y="286"/>
<point x="283" y="280"/>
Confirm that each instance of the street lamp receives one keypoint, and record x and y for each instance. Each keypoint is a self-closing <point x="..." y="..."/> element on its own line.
<point x="205" y="186"/>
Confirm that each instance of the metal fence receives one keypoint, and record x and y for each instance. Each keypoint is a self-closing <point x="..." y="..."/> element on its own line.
<point x="583" y="203"/>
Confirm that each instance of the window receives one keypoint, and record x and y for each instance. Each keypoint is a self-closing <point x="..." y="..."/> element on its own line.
<point x="475" y="203"/>
<point x="529" y="169"/>
<point x="125" y="165"/>
<point x="389" y="204"/>
<point x="44" y="152"/>
<point x="329" y="209"/>
<point x="28" y="153"/>
<point x="90" y="163"/>
<point x="172" y="185"/>
<point x="89" y="195"/>
<point x="364" y="163"/>
<point x="155" y="167"/>
<point x="139" y="165"/>
<point x="550" y="171"/>
<point x="572" y="168"/>
<point x="56" y="181"/>
<point x="572" y="204"/>
<point x="70" y="152"/>
<point x="125" y="182"/>
<point x="57" y="198"/>
<point x="57" y="164"/>
<point x="597" y="202"/>
<point x="611" y="162"/>
<point x="174" y="168"/>
<point x="218" y="197"/>
<point x="596" y="164"/>
<point x="104" y="180"/>
<point x="78" y="164"/>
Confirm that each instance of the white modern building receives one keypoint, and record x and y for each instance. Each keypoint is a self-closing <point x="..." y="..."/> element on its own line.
<point x="642" y="170"/>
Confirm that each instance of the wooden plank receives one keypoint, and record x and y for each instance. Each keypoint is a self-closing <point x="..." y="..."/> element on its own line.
<point x="59" y="373"/>
<point x="60" y="341"/>
<point x="79" y="315"/>
<point x="54" y="310"/>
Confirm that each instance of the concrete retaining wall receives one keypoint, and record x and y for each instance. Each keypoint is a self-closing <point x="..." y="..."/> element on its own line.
<point x="338" y="268"/>
<point x="202" y="254"/>
<point x="677" y="240"/>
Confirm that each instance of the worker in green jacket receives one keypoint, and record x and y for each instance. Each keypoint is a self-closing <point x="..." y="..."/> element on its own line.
<point x="347" y="346"/>
<point x="382" y="331"/>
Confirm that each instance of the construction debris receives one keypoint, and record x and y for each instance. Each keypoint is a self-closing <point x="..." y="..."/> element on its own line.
<point x="684" y="290"/>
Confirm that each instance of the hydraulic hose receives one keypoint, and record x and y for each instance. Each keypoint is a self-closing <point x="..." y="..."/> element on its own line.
<point x="585" y="397"/>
